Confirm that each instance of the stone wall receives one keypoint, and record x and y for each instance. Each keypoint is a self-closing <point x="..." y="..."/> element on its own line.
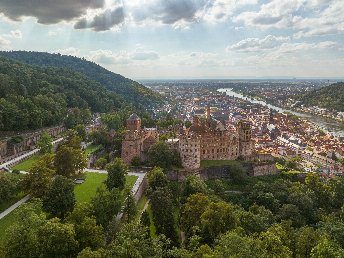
<point x="143" y="186"/>
<point x="223" y="172"/>
<point x="265" y="170"/>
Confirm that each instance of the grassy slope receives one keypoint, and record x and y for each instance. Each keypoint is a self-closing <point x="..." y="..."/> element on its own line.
<point x="87" y="190"/>
<point x="26" y="164"/>
<point x="91" y="148"/>
<point x="83" y="193"/>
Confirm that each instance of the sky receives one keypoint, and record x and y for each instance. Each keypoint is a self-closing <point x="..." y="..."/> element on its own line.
<point x="156" y="39"/>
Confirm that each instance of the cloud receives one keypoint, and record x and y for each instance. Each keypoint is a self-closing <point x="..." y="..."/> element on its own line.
<point x="256" y="44"/>
<point x="4" y="43"/>
<point x="168" y="12"/>
<point x="108" y="57"/>
<point x="328" y="21"/>
<point x="14" y="34"/>
<point x="17" y="34"/>
<point x="277" y="13"/>
<point x="181" y="13"/>
<point x="103" y="21"/>
<point x="48" y="11"/>
<point x="221" y="10"/>
<point x="144" y="55"/>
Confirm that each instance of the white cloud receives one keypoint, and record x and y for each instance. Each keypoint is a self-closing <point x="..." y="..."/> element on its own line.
<point x="16" y="34"/>
<point x="4" y="43"/>
<point x="277" y="13"/>
<point x="108" y="57"/>
<point x="326" y="22"/>
<point x="256" y="44"/>
<point x="144" y="55"/>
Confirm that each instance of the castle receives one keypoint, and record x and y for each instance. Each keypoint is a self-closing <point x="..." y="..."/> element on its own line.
<point x="137" y="141"/>
<point x="206" y="139"/>
<point x="209" y="139"/>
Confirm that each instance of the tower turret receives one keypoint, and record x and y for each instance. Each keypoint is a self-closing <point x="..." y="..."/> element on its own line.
<point x="134" y="123"/>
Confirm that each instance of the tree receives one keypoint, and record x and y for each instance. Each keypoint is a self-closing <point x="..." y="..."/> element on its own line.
<point x="291" y="212"/>
<point x="116" y="174"/>
<point x="106" y="205"/>
<point x="69" y="161"/>
<point x="237" y="173"/>
<point x="306" y="239"/>
<point x="81" y="131"/>
<point x="162" y="209"/>
<point x="219" y="187"/>
<point x="145" y="220"/>
<point x="218" y="217"/>
<point x="56" y="239"/>
<point x="60" y="198"/>
<point x="130" y="209"/>
<point x="88" y="253"/>
<point x="40" y="176"/>
<point x="160" y="155"/>
<point x="192" y="185"/>
<point x="136" y="161"/>
<point x="272" y="246"/>
<point x="192" y="210"/>
<point x="45" y="143"/>
<point x="72" y="139"/>
<point x="101" y="163"/>
<point x="133" y="240"/>
<point x="88" y="233"/>
<point x="8" y="186"/>
<point x="327" y="248"/>
<point x="256" y="219"/>
<point x="157" y="178"/>
<point x="233" y="244"/>
<point x="21" y="237"/>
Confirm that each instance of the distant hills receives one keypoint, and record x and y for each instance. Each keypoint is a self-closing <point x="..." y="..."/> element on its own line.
<point x="130" y="91"/>
<point x="330" y="97"/>
<point x="37" y="91"/>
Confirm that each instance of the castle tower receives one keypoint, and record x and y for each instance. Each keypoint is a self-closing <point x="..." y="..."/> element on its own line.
<point x="134" y="123"/>
<point x="246" y="144"/>
<point x="244" y="130"/>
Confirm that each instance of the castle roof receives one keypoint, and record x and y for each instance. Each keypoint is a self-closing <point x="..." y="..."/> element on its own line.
<point x="133" y="117"/>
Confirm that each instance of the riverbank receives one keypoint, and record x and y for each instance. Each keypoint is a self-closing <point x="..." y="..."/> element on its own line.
<point x="333" y="127"/>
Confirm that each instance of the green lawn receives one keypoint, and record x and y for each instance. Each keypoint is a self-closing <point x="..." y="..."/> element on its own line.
<point x="140" y="205"/>
<point x="86" y="191"/>
<point x="214" y="163"/>
<point x="5" y="223"/>
<point x="91" y="148"/>
<point x="152" y="228"/>
<point x="27" y="164"/>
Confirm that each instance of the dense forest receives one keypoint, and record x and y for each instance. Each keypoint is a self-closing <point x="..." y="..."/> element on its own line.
<point x="330" y="97"/>
<point x="32" y="97"/>
<point x="131" y="91"/>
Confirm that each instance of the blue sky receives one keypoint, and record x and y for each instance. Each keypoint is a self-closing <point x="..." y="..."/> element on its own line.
<point x="184" y="38"/>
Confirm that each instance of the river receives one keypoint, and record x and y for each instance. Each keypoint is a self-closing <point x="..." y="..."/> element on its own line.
<point x="333" y="127"/>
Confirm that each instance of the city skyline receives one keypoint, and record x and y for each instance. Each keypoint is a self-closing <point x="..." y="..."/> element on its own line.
<point x="185" y="38"/>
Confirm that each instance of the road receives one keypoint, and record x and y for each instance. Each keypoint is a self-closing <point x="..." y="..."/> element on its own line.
<point x="14" y="206"/>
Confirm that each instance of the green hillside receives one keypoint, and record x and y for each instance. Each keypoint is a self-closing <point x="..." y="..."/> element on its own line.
<point x="132" y="92"/>
<point x="330" y="97"/>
